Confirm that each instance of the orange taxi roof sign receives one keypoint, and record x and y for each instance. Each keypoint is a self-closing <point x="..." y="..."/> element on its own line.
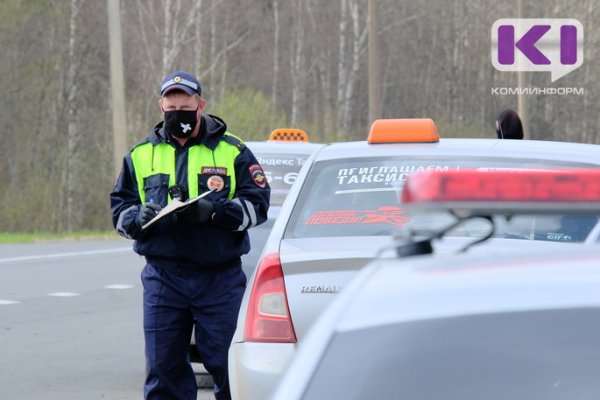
<point x="289" y="135"/>
<point x="407" y="130"/>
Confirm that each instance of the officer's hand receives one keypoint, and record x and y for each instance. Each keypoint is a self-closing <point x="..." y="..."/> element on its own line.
<point x="147" y="212"/>
<point x="202" y="212"/>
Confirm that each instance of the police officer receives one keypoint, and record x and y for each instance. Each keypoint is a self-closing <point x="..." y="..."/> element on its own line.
<point x="193" y="276"/>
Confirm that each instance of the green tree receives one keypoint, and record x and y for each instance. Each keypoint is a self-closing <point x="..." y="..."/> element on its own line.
<point x="248" y="113"/>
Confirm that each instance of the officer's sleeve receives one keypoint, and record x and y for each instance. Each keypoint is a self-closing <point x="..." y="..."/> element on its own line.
<point x="250" y="203"/>
<point x="125" y="205"/>
<point x="125" y="201"/>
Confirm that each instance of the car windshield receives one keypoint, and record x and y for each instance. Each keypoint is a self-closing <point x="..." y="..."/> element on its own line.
<point x="545" y="354"/>
<point x="360" y="197"/>
<point x="281" y="171"/>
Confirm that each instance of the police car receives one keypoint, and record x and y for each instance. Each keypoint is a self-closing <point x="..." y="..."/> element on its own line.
<point x="345" y="206"/>
<point x="518" y="325"/>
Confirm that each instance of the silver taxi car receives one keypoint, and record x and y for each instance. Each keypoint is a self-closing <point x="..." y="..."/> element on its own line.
<point x="281" y="157"/>
<point x="519" y="325"/>
<point x="344" y="207"/>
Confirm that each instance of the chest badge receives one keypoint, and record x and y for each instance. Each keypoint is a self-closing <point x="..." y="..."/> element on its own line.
<point x="215" y="183"/>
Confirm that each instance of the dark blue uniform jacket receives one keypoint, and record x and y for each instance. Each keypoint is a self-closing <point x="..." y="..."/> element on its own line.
<point x="175" y="243"/>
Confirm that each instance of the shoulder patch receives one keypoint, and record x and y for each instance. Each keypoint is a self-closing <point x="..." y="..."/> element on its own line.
<point x="258" y="175"/>
<point x="234" y="141"/>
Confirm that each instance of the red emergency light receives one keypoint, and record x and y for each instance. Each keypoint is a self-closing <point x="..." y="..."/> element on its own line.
<point x="575" y="190"/>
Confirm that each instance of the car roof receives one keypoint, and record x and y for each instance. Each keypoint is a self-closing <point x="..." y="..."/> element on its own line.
<point x="521" y="153"/>
<point x="492" y="148"/>
<point x="439" y="286"/>
<point x="282" y="147"/>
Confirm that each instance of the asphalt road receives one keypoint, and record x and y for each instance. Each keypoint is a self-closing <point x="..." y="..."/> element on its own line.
<point x="71" y="321"/>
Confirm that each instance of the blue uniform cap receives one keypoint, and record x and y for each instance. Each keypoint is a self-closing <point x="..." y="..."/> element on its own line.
<point x="181" y="80"/>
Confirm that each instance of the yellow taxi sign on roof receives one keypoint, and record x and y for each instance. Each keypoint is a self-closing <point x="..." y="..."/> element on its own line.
<point x="408" y="130"/>
<point x="289" y="135"/>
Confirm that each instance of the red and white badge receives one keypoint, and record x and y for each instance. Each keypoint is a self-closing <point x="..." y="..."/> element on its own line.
<point x="258" y="175"/>
<point x="215" y="183"/>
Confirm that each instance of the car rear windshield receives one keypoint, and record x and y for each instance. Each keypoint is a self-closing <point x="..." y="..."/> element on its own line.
<point x="281" y="171"/>
<point x="360" y="197"/>
<point x="546" y="354"/>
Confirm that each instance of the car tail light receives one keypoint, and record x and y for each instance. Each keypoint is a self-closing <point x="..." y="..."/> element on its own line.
<point x="268" y="318"/>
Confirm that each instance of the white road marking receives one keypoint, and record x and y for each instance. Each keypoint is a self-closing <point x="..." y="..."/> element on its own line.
<point x="119" y="286"/>
<point x="63" y="294"/>
<point x="58" y="255"/>
<point x="8" y="302"/>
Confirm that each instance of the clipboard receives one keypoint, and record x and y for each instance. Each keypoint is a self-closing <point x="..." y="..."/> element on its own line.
<point x="174" y="205"/>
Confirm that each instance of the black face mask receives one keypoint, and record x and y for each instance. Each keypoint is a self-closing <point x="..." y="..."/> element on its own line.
<point x="180" y="123"/>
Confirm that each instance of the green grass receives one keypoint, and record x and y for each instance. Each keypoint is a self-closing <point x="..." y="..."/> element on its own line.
<point x="38" y="237"/>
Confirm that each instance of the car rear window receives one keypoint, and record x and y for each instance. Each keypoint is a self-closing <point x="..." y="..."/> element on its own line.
<point x="546" y="354"/>
<point x="361" y="197"/>
<point x="281" y="171"/>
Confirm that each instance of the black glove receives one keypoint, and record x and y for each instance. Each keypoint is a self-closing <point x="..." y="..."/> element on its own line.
<point x="200" y="212"/>
<point x="147" y="212"/>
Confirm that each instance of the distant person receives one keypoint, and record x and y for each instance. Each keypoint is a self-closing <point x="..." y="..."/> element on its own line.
<point x="509" y="126"/>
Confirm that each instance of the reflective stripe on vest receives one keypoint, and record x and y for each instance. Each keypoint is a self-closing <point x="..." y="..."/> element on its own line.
<point x="149" y="160"/>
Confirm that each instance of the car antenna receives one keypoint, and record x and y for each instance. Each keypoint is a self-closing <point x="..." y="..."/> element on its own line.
<point x="424" y="246"/>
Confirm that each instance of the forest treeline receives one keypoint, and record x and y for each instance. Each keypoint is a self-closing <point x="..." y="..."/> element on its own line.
<point x="262" y="64"/>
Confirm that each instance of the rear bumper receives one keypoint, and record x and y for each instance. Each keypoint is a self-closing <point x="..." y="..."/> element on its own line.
<point x="256" y="368"/>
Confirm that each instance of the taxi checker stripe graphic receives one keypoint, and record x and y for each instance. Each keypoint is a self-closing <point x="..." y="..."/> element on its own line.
<point x="290" y="134"/>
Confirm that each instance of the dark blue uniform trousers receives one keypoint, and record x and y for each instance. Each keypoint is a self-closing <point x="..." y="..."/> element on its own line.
<point x="173" y="302"/>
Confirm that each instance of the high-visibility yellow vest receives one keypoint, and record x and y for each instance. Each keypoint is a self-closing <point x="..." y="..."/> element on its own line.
<point x="155" y="165"/>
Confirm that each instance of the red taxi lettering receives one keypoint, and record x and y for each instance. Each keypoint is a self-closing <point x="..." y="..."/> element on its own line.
<point x="386" y="215"/>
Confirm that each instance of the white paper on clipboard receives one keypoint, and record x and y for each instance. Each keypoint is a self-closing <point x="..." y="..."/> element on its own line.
<point x="174" y="205"/>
